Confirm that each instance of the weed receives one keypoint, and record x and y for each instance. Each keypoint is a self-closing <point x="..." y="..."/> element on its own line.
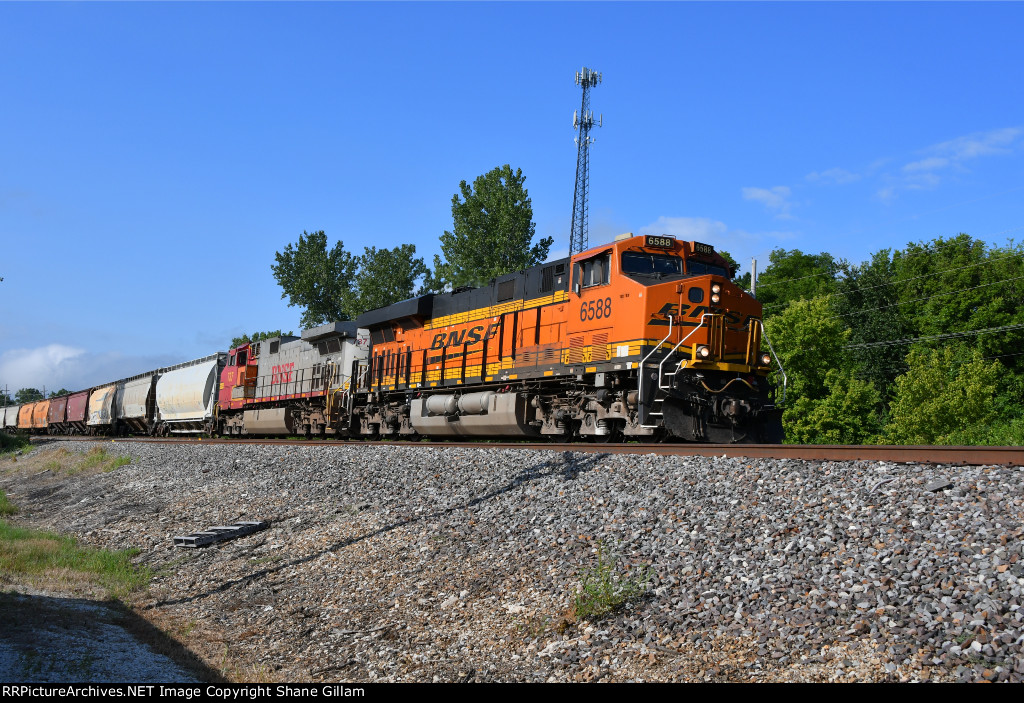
<point x="186" y="630"/>
<point x="117" y="463"/>
<point x="97" y="459"/>
<point x="168" y="568"/>
<point x="6" y="506"/>
<point x="534" y="626"/>
<point x="607" y="587"/>
<point x="260" y="674"/>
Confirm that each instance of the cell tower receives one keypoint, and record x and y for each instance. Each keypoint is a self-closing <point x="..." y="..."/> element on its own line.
<point x="582" y="121"/>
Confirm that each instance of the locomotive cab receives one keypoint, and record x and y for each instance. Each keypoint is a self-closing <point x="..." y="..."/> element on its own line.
<point x="691" y="334"/>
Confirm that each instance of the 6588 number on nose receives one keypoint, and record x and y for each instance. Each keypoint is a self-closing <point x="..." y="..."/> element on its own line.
<point x="595" y="310"/>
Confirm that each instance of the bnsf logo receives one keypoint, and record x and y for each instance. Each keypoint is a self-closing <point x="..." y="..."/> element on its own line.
<point x="282" y="373"/>
<point x="471" y="336"/>
<point x="677" y="312"/>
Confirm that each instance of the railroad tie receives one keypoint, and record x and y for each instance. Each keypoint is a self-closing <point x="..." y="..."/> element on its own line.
<point x="220" y="533"/>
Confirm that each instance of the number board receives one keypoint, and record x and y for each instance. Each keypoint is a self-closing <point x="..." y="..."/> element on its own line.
<point x="699" y="248"/>
<point x="659" y="242"/>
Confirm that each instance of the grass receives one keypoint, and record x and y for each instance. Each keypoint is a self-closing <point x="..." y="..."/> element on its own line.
<point x="6" y="506"/>
<point x="34" y="552"/>
<point x="608" y="587"/>
<point x="14" y="444"/>
<point x="97" y="460"/>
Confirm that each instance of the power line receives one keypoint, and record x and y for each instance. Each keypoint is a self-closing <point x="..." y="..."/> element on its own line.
<point x="930" y="338"/>
<point x="926" y="275"/>
<point x="929" y="297"/>
<point x="925" y="250"/>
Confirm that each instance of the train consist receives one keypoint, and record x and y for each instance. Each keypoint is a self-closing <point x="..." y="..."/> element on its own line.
<point x="646" y="338"/>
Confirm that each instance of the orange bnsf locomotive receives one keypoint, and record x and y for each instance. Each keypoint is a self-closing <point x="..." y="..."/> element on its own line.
<point x="646" y="337"/>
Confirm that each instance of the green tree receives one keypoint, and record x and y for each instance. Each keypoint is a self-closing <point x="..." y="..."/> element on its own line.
<point x="742" y="281"/>
<point x="945" y="394"/>
<point x="809" y="340"/>
<point x="847" y="414"/>
<point x="27" y="395"/>
<point x="867" y="299"/>
<point x="938" y="283"/>
<point x="258" y="337"/>
<point x="794" y="275"/>
<point x="315" y="279"/>
<point x="386" y="276"/>
<point x="825" y="404"/>
<point x="492" y="232"/>
<point x="57" y="394"/>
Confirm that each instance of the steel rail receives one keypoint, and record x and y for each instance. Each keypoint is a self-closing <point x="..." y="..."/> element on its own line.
<point x="975" y="456"/>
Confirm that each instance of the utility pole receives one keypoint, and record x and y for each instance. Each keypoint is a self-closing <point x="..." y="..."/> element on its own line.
<point x="753" y="277"/>
<point x="582" y="122"/>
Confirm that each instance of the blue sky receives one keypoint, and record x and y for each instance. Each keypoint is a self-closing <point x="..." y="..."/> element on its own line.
<point x="153" y="157"/>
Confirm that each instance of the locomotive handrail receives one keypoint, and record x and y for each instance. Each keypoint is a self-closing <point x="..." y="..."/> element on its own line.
<point x="764" y="335"/>
<point x="667" y="356"/>
<point x="641" y="373"/>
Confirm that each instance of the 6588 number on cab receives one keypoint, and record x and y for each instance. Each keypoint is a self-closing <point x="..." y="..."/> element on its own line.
<point x="592" y="310"/>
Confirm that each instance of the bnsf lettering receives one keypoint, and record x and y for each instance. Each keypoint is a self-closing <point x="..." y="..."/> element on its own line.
<point x="469" y="337"/>
<point x="282" y="373"/>
<point x="677" y="312"/>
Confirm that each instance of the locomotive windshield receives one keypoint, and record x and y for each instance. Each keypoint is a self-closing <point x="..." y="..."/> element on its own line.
<point x="699" y="268"/>
<point x="638" y="262"/>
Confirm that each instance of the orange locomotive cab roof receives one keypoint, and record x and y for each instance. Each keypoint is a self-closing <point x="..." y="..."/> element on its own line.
<point x="700" y="258"/>
<point x="659" y="244"/>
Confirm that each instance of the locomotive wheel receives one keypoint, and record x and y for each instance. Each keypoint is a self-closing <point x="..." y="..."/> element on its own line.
<point x="613" y="437"/>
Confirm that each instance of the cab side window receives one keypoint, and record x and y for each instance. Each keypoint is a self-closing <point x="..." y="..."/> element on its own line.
<point x="595" y="271"/>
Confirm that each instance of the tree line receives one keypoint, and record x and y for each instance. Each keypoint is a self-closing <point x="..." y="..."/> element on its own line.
<point x="920" y="345"/>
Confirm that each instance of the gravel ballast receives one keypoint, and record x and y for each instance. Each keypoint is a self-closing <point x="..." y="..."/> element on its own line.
<point x="424" y="564"/>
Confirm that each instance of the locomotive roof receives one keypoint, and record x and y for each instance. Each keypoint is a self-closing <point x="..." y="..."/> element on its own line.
<point x="533" y="282"/>
<point x="331" y="329"/>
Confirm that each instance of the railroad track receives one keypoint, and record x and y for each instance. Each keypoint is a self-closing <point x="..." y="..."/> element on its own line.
<point x="1007" y="456"/>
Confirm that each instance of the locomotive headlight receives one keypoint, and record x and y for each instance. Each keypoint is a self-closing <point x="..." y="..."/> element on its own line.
<point x="715" y="288"/>
<point x="766" y="359"/>
<point x="703" y="352"/>
<point x="715" y="297"/>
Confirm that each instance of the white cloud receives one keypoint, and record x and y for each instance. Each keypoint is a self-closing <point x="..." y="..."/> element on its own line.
<point x="836" y="176"/>
<point x="775" y="199"/>
<point x="57" y="366"/>
<point x="922" y="174"/>
<point x="995" y="141"/>
<point x="930" y="164"/>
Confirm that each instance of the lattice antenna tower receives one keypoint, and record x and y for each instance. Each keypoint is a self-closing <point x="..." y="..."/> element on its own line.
<point x="583" y="121"/>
